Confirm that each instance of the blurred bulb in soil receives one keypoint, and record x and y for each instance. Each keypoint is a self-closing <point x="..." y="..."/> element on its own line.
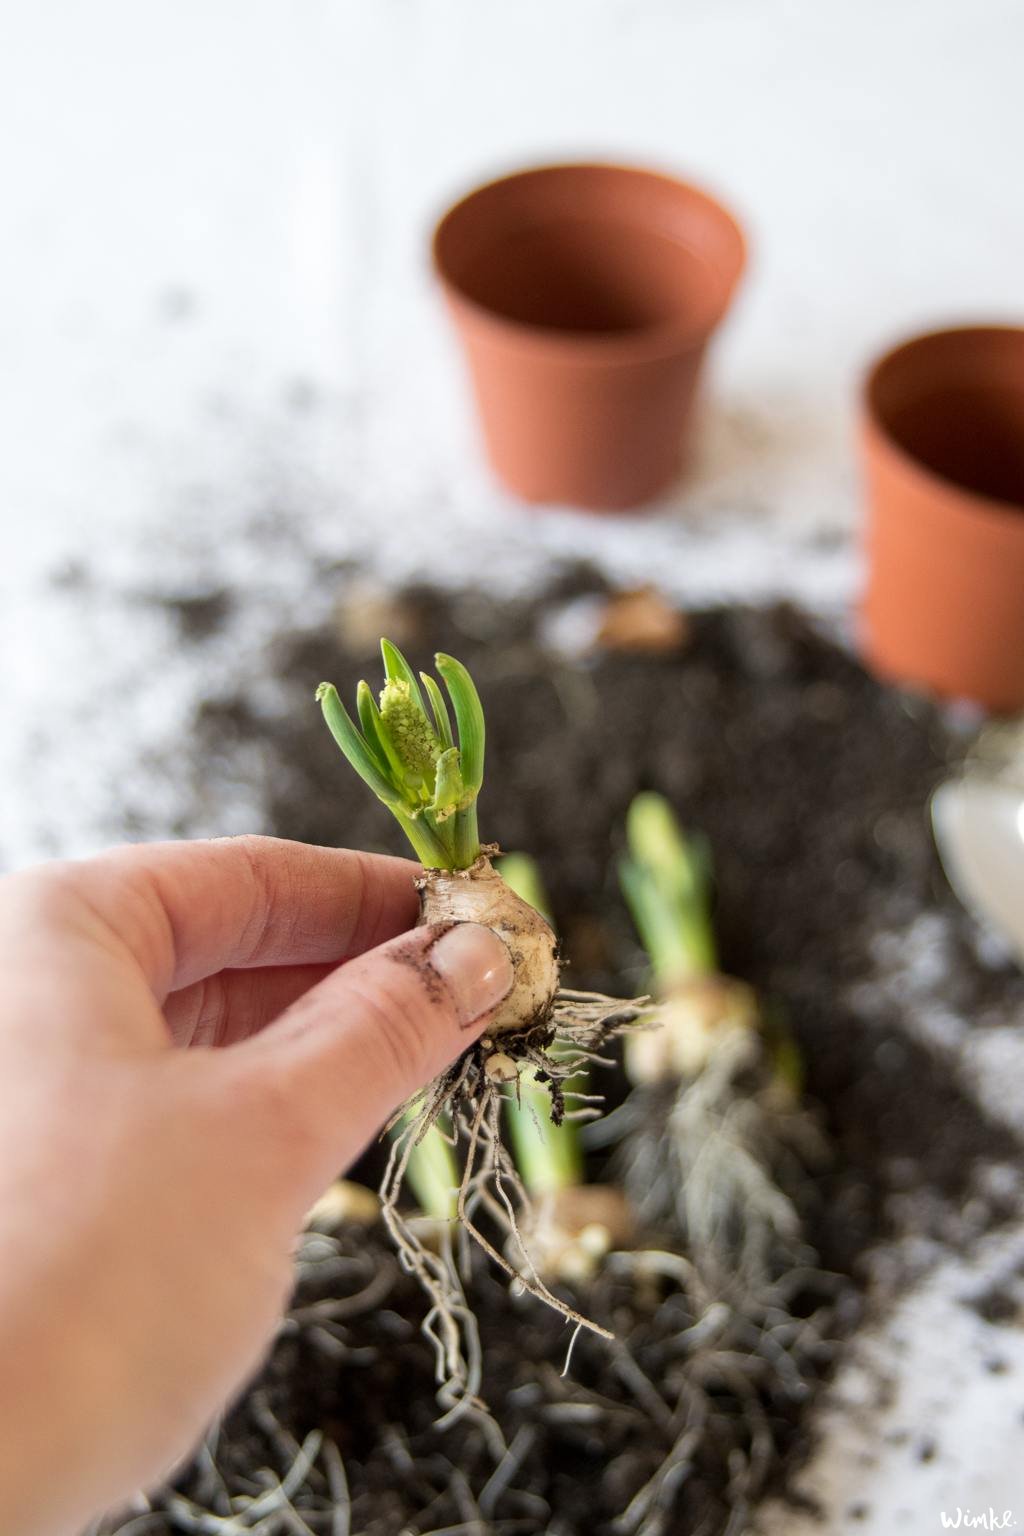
<point x="693" y="1019"/>
<point x="574" y="1229"/>
<point x="344" y="1203"/>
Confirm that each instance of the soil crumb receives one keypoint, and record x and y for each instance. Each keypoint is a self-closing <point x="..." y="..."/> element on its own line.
<point x="199" y="615"/>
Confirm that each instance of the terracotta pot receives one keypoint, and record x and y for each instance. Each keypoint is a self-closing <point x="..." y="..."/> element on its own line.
<point x="584" y="296"/>
<point x="943" y="444"/>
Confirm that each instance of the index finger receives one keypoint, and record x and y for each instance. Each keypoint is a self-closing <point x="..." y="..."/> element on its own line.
<point x="187" y="910"/>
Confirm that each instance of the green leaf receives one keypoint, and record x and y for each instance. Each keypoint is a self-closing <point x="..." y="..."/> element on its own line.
<point x="521" y="872"/>
<point x="369" y="719"/>
<point x="412" y="762"/>
<point x="469" y="717"/>
<point x="426" y="843"/>
<point x="397" y="668"/>
<point x="680" y="864"/>
<point x="666" y="885"/>
<point x="434" y="1174"/>
<point x="658" y="923"/>
<point x="449" y="789"/>
<point x="439" y="709"/>
<point x="549" y="1157"/>
<point x="353" y="745"/>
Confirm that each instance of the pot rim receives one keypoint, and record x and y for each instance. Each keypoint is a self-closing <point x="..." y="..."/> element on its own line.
<point x="971" y="503"/>
<point x="645" y="343"/>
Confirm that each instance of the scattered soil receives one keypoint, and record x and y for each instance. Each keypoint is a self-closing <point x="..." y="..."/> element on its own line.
<point x="199" y="615"/>
<point x="810" y="781"/>
<point x="1001" y="1301"/>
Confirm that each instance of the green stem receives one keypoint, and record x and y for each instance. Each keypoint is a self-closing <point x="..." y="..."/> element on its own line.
<point x="433" y="1176"/>
<point x="666" y="884"/>
<point x="522" y="874"/>
<point x="467" y="838"/>
<point x="548" y="1156"/>
<point x="426" y="843"/>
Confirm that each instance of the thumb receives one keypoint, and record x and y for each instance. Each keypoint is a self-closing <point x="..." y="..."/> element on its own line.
<point x="337" y="1063"/>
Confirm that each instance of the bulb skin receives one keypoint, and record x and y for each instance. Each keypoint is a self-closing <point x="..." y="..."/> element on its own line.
<point x="480" y="895"/>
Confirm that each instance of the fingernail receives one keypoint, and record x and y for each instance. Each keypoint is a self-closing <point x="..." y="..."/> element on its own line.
<point x="477" y="968"/>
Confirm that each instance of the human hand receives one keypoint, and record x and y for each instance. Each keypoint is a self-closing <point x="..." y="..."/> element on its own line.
<point x="150" y="1196"/>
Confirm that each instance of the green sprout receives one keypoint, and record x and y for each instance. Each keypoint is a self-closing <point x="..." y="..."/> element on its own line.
<point x="429" y="781"/>
<point x="427" y="774"/>
<point x="666" y="881"/>
<point x="548" y="1156"/>
<point x="433" y="1174"/>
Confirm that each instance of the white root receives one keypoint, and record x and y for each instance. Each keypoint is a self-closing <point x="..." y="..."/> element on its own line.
<point x="535" y="1017"/>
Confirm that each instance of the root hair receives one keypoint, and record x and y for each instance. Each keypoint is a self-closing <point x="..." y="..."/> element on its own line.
<point x="580" y="1024"/>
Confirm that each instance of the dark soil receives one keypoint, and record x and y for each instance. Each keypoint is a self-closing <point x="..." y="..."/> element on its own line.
<point x="199" y="614"/>
<point x="1001" y="1301"/>
<point x="581" y="1446"/>
<point x="810" y="781"/>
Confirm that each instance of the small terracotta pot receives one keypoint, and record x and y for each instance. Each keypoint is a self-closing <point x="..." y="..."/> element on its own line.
<point x="584" y="297"/>
<point x="943" y="444"/>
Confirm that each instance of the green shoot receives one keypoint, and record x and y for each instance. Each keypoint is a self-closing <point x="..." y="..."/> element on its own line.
<point x="433" y="1175"/>
<point x="548" y="1156"/>
<point x="428" y="778"/>
<point x="521" y="872"/>
<point x="665" y="880"/>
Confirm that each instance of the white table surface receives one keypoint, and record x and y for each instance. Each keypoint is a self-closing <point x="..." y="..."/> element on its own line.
<point x="215" y="309"/>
